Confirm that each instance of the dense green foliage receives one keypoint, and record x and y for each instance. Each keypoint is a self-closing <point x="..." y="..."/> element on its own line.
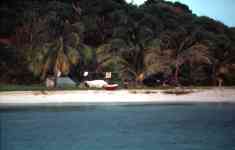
<point x="112" y="35"/>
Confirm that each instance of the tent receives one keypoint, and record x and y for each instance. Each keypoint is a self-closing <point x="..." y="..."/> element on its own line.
<point x="65" y="82"/>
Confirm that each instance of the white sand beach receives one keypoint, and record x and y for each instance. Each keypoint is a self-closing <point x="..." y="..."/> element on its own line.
<point x="84" y="97"/>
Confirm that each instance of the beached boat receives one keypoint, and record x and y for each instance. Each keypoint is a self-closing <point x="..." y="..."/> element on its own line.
<point x="110" y="86"/>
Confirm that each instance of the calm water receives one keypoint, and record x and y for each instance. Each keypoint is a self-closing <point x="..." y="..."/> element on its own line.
<point x="146" y="127"/>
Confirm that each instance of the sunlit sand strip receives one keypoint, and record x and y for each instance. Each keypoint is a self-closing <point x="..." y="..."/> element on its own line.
<point x="73" y="98"/>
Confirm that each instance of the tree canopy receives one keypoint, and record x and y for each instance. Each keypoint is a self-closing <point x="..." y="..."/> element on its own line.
<point x="112" y="35"/>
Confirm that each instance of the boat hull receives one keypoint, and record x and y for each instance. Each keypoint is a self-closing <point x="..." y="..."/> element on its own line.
<point x="111" y="87"/>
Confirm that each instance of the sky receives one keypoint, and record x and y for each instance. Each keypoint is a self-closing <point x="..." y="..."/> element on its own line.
<point x="221" y="10"/>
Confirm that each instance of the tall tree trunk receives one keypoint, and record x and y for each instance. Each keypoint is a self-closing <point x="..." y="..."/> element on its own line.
<point x="139" y="59"/>
<point x="177" y="69"/>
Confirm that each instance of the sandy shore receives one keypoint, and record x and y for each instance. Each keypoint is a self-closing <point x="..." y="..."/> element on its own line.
<point x="73" y="98"/>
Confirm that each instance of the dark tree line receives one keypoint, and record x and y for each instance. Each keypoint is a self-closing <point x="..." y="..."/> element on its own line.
<point x="157" y="37"/>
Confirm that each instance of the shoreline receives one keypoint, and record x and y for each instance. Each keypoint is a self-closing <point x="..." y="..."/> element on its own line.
<point x="118" y="97"/>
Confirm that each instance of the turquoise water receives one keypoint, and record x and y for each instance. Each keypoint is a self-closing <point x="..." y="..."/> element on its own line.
<point x="142" y="127"/>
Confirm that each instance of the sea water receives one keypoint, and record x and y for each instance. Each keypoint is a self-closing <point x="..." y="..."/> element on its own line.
<point x="117" y="127"/>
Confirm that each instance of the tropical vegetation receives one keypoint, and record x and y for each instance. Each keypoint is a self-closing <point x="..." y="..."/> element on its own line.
<point x="43" y="38"/>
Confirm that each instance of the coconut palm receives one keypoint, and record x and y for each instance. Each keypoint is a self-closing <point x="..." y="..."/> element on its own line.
<point x="109" y="58"/>
<point x="135" y="33"/>
<point x="53" y="51"/>
<point x="53" y="58"/>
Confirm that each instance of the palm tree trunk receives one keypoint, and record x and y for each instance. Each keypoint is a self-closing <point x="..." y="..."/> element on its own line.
<point x="177" y="69"/>
<point x="139" y="59"/>
<point x="214" y="75"/>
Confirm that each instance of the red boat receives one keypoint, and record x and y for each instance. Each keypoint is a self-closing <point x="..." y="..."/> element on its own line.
<point x="111" y="87"/>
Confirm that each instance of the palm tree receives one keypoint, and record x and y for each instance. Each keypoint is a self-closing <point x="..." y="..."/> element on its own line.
<point x="135" y="33"/>
<point x="52" y="51"/>
<point x="54" y="58"/>
<point x="109" y="57"/>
